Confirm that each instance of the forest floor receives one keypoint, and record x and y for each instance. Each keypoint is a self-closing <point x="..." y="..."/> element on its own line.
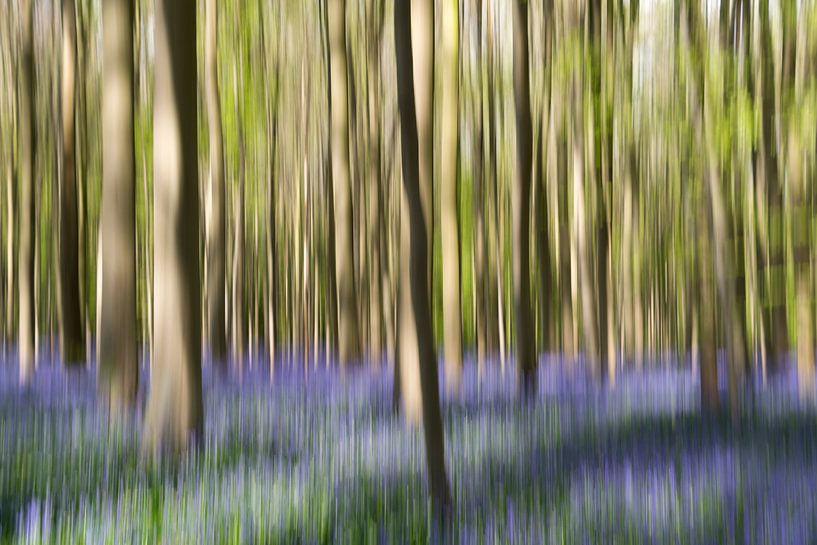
<point x="325" y="459"/>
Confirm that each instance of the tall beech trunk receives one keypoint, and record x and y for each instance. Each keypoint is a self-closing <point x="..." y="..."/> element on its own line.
<point x="72" y="330"/>
<point x="27" y="153"/>
<point x="117" y="330"/>
<point x="525" y="353"/>
<point x="215" y="203"/>
<point x="348" y="330"/>
<point x="175" y="414"/>
<point x="449" y="227"/>
<point x="772" y="251"/>
<point x="418" y="359"/>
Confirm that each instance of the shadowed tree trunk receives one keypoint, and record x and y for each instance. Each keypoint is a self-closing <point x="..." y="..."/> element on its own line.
<point x="175" y="414"/>
<point x="27" y="145"/>
<point x="117" y="351"/>
<point x="348" y="331"/>
<point x="772" y="255"/>
<point x="525" y="353"/>
<point x="452" y="320"/>
<point x="418" y="360"/>
<point x="215" y="204"/>
<point x="72" y="331"/>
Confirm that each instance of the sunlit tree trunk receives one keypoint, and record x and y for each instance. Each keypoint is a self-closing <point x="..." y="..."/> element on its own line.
<point x="72" y="334"/>
<point x="449" y="156"/>
<point x="175" y="415"/>
<point x="117" y="343"/>
<point x="418" y="360"/>
<point x="27" y="153"/>
<point x="215" y="204"/>
<point x="525" y="353"/>
<point x="348" y="331"/>
<point x="799" y="236"/>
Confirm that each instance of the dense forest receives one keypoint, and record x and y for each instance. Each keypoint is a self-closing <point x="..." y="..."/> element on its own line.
<point x="623" y="185"/>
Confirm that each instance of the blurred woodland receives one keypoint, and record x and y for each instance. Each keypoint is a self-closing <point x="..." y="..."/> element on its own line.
<point x="299" y="183"/>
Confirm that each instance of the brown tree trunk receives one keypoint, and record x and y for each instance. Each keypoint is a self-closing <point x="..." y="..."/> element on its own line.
<point x="27" y="154"/>
<point x="525" y="353"/>
<point x="348" y="330"/>
<point x="772" y="258"/>
<point x="118" y="351"/>
<point x="175" y="414"/>
<point x="418" y="360"/>
<point x="215" y="203"/>
<point x="72" y="333"/>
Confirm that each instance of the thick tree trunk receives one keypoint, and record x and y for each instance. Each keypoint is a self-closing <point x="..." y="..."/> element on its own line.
<point x="348" y="330"/>
<point x="27" y="145"/>
<point x="418" y="361"/>
<point x="215" y="204"/>
<point x="525" y="353"/>
<point x="72" y="333"/>
<point x="175" y="414"/>
<point x="117" y="352"/>
<point x="452" y="320"/>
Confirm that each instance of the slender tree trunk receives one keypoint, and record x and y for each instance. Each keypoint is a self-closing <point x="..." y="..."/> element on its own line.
<point x="772" y="253"/>
<point x="215" y="204"/>
<point x="452" y="320"/>
<point x="175" y="413"/>
<point x="348" y="330"/>
<point x="72" y="334"/>
<point x="525" y="353"/>
<point x="10" y="263"/>
<point x="118" y="351"/>
<point x="27" y="153"/>
<point x="418" y="361"/>
<point x="237" y="299"/>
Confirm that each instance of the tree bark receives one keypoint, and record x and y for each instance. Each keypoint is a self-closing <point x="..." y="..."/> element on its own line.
<point x="452" y="319"/>
<point x="418" y="360"/>
<point x="348" y="330"/>
<point x="215" y="205"/>
<point x="72" y="331"/>
<point x="117" y="351"/>
<point x="27" y="145"/>
<point x="525" y="353"/>
<point x="175" y="414"/>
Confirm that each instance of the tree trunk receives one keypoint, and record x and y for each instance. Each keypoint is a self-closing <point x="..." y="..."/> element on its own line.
<point x="452" y="320"/>
<point x="10" y="263"/>
<point x="27" y="145"/>
<point x="215" y="204"/>
<point x="772" y="256"/>
<point x="175" y="413"/>
<point x="525" y="353"/>
<point x="418" y="361"/>
<point x="348" y="330"/>
<point x="72" y="334"/>
<point x="118" y="352"/>
<point x="237" y="299"/>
